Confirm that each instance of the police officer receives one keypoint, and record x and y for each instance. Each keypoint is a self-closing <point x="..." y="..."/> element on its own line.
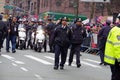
<point x="102" y="37"/>
<point x="50" y="29"/>
<point x="21" y="25"/>
<point x="42" y="26"/>
<point x="78" y="34"/>
<point x="11" y="35"/>
<point x="61" y="39"/>
<point x="25" y="21"/>
<point x="30" y="28"/>
<point x="112" y="51"/>
<point x="3" y="29"/>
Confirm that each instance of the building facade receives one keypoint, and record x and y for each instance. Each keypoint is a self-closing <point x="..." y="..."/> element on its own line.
<point x="36" y="7"/>
<point x="2" y="4"/>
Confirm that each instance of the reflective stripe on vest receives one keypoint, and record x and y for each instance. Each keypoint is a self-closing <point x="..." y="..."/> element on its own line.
<point x="115" y="43"/>
<point x="109" y="60"/>
<point x="109" y="57"/>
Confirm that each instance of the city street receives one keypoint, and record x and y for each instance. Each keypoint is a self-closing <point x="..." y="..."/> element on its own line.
<point x="31" y="65"/>
<point x="90" y="24"/>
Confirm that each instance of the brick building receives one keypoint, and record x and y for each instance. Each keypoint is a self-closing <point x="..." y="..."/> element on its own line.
<point x="2" y="3"/>
<point x="65" y="6"/>
<point x="36" y="7"/>
<point x="9" y="3"/>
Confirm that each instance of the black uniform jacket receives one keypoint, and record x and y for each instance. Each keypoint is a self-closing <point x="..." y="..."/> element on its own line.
<point x="62" y="36"/>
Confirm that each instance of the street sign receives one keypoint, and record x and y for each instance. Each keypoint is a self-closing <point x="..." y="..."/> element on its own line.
<point x="95" y="0"/>
<point x="8" y="7"/>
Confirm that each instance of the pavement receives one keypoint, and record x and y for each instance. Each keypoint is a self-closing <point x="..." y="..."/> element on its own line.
<point x="31" y="65"/>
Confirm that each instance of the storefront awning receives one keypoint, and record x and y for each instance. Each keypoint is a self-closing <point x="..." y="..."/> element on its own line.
<point x="57" y="16"/>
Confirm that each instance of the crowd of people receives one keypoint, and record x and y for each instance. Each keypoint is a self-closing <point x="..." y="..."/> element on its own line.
<point x="23" y="34"/>
<point x="61" y="36"/>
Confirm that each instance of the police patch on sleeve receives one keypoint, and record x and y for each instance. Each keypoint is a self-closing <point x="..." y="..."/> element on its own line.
<point x="118" y="37"/>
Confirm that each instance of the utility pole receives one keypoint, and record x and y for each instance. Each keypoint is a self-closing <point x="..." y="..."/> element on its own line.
<point x="92" y="11"/>
<point x="76" y="7"/>
<point x="50" y="5"/>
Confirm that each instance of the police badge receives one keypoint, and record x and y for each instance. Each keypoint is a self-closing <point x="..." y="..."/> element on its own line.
<point x="118" y="37"/>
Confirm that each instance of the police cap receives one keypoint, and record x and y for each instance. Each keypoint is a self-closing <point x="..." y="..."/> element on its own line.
<point x="49" y="19"/>
<point x="64" y="19"/>
<point x="78" y="20"/>
<point x="20" y="20"/>
<point x="118" y="16"/>
<point x="40" y="20"/>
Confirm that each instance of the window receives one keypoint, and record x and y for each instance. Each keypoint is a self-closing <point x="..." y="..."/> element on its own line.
<point x="20" y="5"/>
<point x="32" y="6"/>
<point x="42" y="3"/>
<point x="87" y="5"/>
<point x="58" y="3"/>
<point x="28" y="5"/>
<point x="35" y="5"/>
<point x="71" y="3"/>
<point x="7" y="1"/>
<point x="99" y="7"/>
<point x="46" y="3"/>
<point x="38" y="4"/>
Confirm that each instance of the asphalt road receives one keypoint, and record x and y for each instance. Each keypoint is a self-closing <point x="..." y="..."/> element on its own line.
<point x="31" y="65"/>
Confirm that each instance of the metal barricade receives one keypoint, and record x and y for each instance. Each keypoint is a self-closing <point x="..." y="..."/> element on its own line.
<point x="90" y="43"/>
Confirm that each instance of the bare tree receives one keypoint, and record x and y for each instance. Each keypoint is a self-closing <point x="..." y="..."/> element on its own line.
<point x="113" y="7"/>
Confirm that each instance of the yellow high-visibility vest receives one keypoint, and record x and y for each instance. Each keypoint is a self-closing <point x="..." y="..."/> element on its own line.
<point x="112" y="48"/>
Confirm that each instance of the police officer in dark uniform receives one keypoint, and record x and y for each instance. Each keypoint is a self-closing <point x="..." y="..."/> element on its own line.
<point x="5" y="22"/>
<point x="28" y="33"/>
<point x="61" y="39"/>
<point x="50" y="29"/>
<point x="78" y="34"/>
<point x="3" y="30"/>
<point x="30" y="28"/>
